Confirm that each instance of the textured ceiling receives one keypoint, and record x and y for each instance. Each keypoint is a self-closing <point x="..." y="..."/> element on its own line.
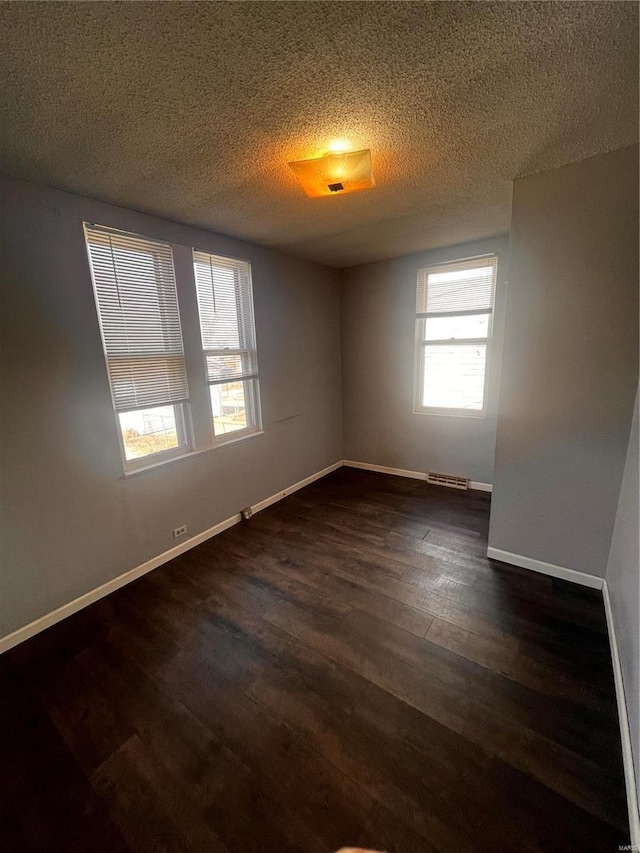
<point x="192" y="110"/>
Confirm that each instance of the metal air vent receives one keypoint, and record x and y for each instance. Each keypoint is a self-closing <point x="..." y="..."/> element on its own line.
<point x="449" y="480"/>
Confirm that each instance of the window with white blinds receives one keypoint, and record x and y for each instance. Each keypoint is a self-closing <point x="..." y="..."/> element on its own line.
<point x="227" y="329"/>
<point x="138" y="296"/>
<point x="454" y="312"/>
<point x="137" y="302"/>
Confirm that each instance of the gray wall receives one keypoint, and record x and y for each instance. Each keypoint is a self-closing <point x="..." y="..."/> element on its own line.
<point x="70" y="520"/>
<point x="378" y="333"/>
<point x="570" y="362"/>
<point x="623" y="580"/>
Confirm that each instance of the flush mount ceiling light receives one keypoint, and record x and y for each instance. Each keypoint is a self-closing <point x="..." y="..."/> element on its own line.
<point x="336" y="173"/>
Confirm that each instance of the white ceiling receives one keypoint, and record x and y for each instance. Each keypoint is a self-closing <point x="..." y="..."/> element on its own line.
<point x="192" y="110"/>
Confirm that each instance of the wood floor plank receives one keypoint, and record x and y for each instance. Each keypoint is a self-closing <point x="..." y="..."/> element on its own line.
<point x="347" y="668"/>
<point x="560" y="769"/>
<point x="437" y="690"/>
<point x="153" y="814"/>
<point x="46" y="802"/>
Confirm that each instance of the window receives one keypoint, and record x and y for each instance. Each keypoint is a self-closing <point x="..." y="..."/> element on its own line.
<point x="228" y="337"/>
<point x="138" y="302"/>
<point x="454" y="313"/>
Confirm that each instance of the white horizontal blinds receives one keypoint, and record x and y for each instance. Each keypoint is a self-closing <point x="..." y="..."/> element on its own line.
<point x="138" y="306"/>
<point x="226" y="317"/>
<point x="457" y="288"/>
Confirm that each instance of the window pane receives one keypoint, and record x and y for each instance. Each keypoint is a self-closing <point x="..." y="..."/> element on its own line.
<point x="223" y="366"/>
<point x="453" y="376"/>
<point x="446" y="328"/>
<point x="225" y="306"/>
<point x="229" y="407"/>
<point x="137" y="303"/>
<point x="464" y="287"/>
<point x="148" y="431"/>
<point x="218" y="303"/>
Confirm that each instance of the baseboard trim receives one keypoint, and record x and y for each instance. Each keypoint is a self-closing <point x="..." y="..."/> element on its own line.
<point x="60" y="613"/>
<point x="401" y="472"/>
<point x="296" y="486"/>
<point x="625" y="732"/>
<point x="480" y="487"/>
<point x="581" y="578"/>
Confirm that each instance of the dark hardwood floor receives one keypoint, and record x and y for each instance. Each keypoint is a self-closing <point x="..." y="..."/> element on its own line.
<point x="347" y="668"/>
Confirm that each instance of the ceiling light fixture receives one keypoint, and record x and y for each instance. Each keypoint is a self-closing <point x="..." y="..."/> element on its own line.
<point x="339" y="171"/>
<point x="338" y="146"/>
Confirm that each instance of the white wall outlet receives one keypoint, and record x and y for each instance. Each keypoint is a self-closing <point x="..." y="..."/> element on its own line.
<point x="179" y="531"/>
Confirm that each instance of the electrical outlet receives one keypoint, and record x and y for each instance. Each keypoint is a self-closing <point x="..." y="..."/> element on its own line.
<point x="179" y="531"/>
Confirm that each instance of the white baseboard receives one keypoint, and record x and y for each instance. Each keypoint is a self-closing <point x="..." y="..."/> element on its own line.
<point x="480" y="487"/>
<point x="296" y="486"/>
<point x="401" y="472"/>
<point x="22" y="634"/>
<point x="625" y="734"/>
<point x="581" y="578"/>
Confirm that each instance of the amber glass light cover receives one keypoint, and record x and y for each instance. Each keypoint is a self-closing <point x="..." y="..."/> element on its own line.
<point x="335" y="174"/>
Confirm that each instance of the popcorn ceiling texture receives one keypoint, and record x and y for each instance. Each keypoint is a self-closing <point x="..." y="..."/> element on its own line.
<point x="191" y="111"/>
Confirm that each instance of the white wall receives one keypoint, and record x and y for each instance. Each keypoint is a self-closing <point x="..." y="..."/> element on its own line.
<point x="570" y="362"/>
<point x="70" y="520"/>
<point x="623" y="581"/>
<point x="378" y="351"/>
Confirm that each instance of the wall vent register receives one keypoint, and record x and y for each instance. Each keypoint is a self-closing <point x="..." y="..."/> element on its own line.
<point x="450" y="480"/>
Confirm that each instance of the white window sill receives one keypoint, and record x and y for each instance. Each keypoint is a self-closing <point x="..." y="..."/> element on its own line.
<point x="189" y="454"/>
<point x="452" y="413"/>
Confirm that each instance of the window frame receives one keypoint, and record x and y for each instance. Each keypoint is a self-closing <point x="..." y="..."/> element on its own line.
<point x="198" y="436"/>
<point x="421" y="342"/>
<point x="183" y="429"/>
<point x="253" y="406"/>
